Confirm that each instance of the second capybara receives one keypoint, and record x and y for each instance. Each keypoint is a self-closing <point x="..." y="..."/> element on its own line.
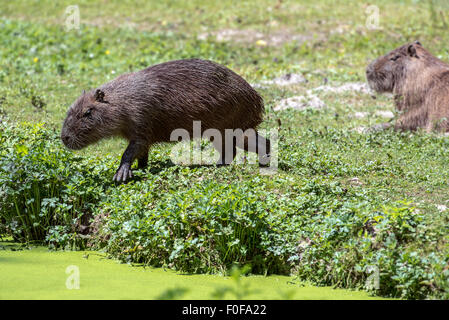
<point x="146" y="106"/>
<point x="419" y="82"/>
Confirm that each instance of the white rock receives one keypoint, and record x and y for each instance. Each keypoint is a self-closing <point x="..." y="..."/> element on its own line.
<point x="360" y="129"/>
<point x="384" y="114"/>
<point x="300" y="103"/>
<point x="258" y="85"/>
<point x="376" y="128"/>
<point x="350" y="86"/>
<point x="355" y="181"/>
<point x="360" y="115"/>
<point x="286" y="80"/>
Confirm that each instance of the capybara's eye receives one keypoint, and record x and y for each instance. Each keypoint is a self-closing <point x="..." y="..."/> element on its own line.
<point x="88" y="113"/>
<point x="396" y="57"/>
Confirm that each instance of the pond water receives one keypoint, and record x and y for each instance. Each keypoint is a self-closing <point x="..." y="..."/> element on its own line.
<point x="38" y="273"/>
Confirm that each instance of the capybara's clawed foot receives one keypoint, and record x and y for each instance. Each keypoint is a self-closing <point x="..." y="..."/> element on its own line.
<point x="123" y="173"/>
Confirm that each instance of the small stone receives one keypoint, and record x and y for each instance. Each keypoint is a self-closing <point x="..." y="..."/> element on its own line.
<point x="350" y="86"/>
<point x="384" y="114"/>
<point x="355" y="181"/>
<point x="286" y="80"/>
<point x="300" y="103"/>
<point x="360" y="115"/>
<point x="360" y="129"/>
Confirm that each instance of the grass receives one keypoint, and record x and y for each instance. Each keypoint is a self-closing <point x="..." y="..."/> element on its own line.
<point x="44" y="68"/>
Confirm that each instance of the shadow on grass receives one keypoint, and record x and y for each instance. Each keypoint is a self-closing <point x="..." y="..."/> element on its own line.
<point x="157" y="167"/>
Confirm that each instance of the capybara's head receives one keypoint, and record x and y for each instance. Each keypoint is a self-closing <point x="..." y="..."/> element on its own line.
<point x="84" y="123"/>
<point x="386" y="72"/>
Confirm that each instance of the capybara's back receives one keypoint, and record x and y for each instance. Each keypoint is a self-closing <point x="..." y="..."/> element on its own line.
<point x="172" y="95"/>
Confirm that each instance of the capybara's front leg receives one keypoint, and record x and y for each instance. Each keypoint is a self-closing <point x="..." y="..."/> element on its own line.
<point x="124" y="171"/>
<point x="263" y="150"/>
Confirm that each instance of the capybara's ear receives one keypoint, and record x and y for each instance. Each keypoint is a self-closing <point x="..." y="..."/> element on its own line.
<point x="411" y="51"/>
<point x="99" y="95"/>
<point x="418" y="43"/>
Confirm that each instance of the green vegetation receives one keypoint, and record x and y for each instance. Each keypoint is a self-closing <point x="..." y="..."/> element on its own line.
<point x="46" y="190"/>
<point x="344" y="206"/>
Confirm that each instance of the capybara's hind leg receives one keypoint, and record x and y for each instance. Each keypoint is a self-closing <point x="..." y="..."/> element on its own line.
<point x="254" y="142"/>
<point x="142" y="161"/>
<point x="263" y="150"/>
<point x="227" y="152"/>
<point x="131" y="153"/>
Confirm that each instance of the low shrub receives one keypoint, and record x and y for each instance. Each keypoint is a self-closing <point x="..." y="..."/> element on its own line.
<point x="205" y="228"/>
<point x="46" y="192"/>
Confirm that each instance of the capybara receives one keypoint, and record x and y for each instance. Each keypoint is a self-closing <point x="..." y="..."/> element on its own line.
<point x="419" y="82"/>
<point x="146" y="106"/>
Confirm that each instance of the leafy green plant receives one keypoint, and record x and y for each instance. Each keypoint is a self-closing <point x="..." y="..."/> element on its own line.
<point x="47" y="192"/>
<point x="205" y="228"/>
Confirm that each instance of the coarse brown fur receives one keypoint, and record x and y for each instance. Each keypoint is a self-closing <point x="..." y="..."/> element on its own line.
<point x="420" y="84"/>
<point x="145" y="107"/>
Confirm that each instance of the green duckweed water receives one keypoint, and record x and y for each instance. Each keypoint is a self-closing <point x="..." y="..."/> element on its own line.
<point x="37" y="273"/>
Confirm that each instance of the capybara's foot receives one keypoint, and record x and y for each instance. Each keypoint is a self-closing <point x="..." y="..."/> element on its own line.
<point x="123" y="173"/>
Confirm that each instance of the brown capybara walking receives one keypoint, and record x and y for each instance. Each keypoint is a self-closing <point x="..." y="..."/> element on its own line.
<point x="145" y="107"/>
<point x="420" y="84"/>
